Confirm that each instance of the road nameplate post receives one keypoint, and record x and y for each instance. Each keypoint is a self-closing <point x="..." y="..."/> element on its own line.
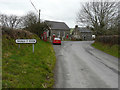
<point x="18" y="45"/>
<point x="33" y="48"/>
<point x="26" y="41"/>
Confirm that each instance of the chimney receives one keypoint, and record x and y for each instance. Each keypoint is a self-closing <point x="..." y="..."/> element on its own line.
<point x="76" y="26"/>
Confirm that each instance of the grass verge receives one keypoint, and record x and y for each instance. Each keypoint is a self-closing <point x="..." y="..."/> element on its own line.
<point x="112" y="50"/>
<point x="21" y="68"/>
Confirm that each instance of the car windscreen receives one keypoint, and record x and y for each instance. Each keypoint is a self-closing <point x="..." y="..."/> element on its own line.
<point x="56" y="39"/>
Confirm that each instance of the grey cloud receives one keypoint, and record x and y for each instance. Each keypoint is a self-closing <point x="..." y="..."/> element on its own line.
<point x="58" y="10"/>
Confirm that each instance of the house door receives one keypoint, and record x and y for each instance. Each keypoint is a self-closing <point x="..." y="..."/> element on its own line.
<point x="45" y="36"/>
<point x="84" y="38"/>
<point x="67" y="36"/>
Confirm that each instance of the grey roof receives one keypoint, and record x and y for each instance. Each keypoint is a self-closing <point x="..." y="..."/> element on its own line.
<point x="82" y="29"/>
<point x="57" y="25"/>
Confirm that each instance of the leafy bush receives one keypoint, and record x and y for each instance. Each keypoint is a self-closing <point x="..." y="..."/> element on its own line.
<point x="15" y="34"/>
<point x="111" y="39"/>
<point x="37" y="28"/>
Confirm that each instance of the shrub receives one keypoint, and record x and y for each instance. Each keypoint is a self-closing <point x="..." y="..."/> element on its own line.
<point x="111" y="39"/>
<point x="15" y="34"/>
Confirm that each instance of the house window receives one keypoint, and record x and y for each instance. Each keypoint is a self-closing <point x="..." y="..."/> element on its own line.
<point x="59" y="34"/>
<point x="47" y="33"/>
<point x="53" y="34"/>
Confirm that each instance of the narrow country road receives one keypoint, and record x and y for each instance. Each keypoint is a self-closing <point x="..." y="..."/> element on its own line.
<point x="79" y="65"/>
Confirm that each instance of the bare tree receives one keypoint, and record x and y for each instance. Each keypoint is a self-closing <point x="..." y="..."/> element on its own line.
<point x="31" y="23"/>
<point x="11" y="21"/>
<point x="14" y="21"/>
<point x="4" y="20"/>
<point x="98" y="15"/>
<point x="29" y="19"/>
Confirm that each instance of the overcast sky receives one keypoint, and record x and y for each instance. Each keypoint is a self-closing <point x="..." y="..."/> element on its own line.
<point x="55" y="10"/>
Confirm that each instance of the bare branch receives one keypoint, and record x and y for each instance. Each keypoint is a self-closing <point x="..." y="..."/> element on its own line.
<point x="98" y="14"/>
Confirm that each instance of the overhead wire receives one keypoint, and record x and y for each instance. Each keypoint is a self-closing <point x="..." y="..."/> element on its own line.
<point x="33" y="5"/>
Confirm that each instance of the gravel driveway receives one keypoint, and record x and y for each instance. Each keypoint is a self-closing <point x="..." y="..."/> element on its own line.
<point x="79" y="65"/>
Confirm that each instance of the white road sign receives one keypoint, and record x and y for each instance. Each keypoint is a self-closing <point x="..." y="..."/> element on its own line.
<point x="31" y="41"/>
<point x="26" y="41"/>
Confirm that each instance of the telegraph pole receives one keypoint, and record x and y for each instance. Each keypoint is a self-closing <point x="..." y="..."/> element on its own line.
<point x="36" y="10"/>
<point x="39" y="15"/>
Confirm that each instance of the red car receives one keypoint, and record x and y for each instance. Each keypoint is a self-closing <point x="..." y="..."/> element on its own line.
<point x="57" y="41"/>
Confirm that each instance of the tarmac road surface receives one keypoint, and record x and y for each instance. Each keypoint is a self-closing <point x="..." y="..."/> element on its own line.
<point x="79" y="65"/>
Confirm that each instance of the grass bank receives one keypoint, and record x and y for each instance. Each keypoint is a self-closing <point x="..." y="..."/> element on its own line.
<point x="24" y="69"/>
<point x="112" y="50"/>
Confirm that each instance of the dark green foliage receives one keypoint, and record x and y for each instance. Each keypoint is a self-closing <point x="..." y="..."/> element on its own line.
<point x="32" y="24"/>
<point x="37" y="28"/>
<point x="111" y="39"/>
<point x="112" y="31"/>
<point x="15" y="34"/>
<point x="76" y="39"/>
